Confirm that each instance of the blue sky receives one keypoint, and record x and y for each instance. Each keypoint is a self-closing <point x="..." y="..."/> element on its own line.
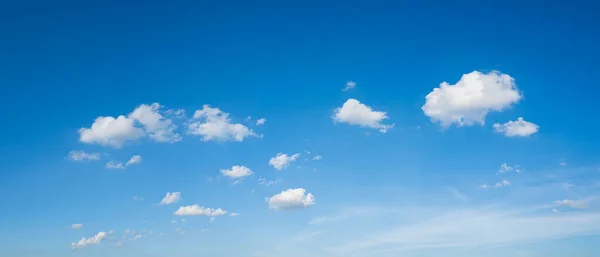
<point x="464" y="129"/>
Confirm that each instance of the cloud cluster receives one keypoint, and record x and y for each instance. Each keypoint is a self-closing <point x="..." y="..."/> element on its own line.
<point x="214" y="124"/>
<point x="84" y="242"/>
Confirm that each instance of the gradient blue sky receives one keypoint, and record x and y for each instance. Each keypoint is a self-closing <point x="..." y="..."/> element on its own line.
<point x="415" y="190"/>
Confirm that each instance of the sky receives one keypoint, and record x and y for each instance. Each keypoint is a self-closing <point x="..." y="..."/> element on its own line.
<point x="312" y="128"/>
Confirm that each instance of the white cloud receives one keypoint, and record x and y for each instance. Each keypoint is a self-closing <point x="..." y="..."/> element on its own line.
<point x="134" y="160"/>
<point x="137" y="237"/>
<point x="518" y="128"/>
<point x="555" y="210"/>
<point x="137" y="198"/>
<point x="84" y="242"/>
<point x="237" y="172"/>
<point x="503" y="183"/>
<point x="80" y="155"/>
<point x="471" y="99"/>
<point x="355" y="113"/>
<point x="261" y="121"/>
<point x="234" y="214"/>
<point x="507" y="168"/>
<point x="195" y="210"/>
<point x="291" y="199"/>
<point x="108" y="131"/>
<point x="578" y="204"/>
<point x="180" y="231"/>
<point x="562" y="164"/>
<point x="115" y="165"/>
<point x="214" y="124"/>
<point x="349" y="85"/>
<point x="77" y="226"/>
<point x="281" y="161"/>
<point x="145" y="120"/>
<point x="318" y="157"/>
<point x="171" y="198"/>
<point x="212" y="219"/>
<point x="156" y="126"/>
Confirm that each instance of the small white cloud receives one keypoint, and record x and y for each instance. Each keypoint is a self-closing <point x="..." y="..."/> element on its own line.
<point x="261" y="121"/>
<point x="237" y="172"/>
<point x="183" y="220"/>
<point x="195" y="210"/>
<point x="518" y="128"/>
<point x="80" y="155"/>
<point x="562" y="164"/>
<point x="115" y="165"/>
<point x="316" y="158"/>
<point x="471" y="99"/>
<point x="507" y="168"/>
<point x="137" y="198"/>
<point x="503" y="183"/>
<point x="214" y="124"/>
<point x="134" y="160"/>
<point x="263" y="181"/>
<point x="212" y="219"/>
<point x="355" y="113"/>
<point x="281" y="161"/>
<point x="157" y="127"/>
<point x="554" y="210"/>
<point x="180" y="231"/>
<point x="291" y="199"/>
<point x="578" y="204"/>
<point x="174" y="221"/>
<point x="77" y="226"/>
<point x="137" y="237"/>
<point x="171" y="198"/>
<point x="84" y="242"/>
<point x="349" y="85"/>
<point x="234" y="214"/>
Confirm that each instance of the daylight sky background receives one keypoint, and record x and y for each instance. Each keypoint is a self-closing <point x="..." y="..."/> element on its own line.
<point x="312" y="128"/>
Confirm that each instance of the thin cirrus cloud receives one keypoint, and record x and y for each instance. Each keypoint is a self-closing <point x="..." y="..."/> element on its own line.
<point x="470" y="100"/>
<point x="145" y="120"/>
<point x="171" y="198"/>
<point x="354" y="112"/>
<point x="80" y="155"/>
<point x="518" y="128"/>
<point x="213" y="124"/>
<point x="136" y="159"/>
<point x="291" y="199"/>
<point x="282" y="161"/>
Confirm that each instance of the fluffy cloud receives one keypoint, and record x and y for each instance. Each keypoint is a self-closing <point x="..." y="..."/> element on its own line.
<point x="261" y="121"/>
<point x="214" y="124"/>
<point x="108" y="131"/>
<point x="281" y="161"/>
<point x="355" y="113"/>
<point x="156" y="126"/>
<point x="471" y="99"/>
<point x="578" y="204"/>
<point x="518" y="128"/>
<point x="171" y="198"/>
<point x="349" y="85"/>
<point x="291" y="199"/>
<point x="77" y="226"/>
<point x="237" y="172"/>
<point x="134" y="160"/>
<point x="145" y="120"/>
<point x="84" y="242"/>
<point x="503" y="183"/>
<point x="195" y="210"/>
<point x="80" y="155"/>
